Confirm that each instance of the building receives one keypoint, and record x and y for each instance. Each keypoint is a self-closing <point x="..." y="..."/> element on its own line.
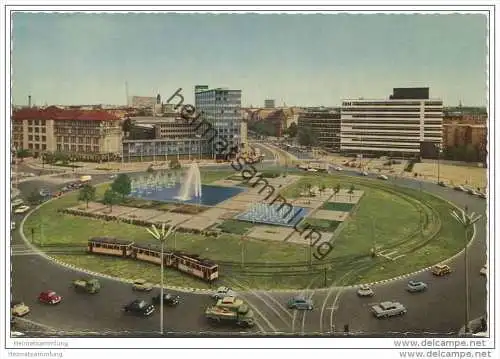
<point x="269" y="103"/>
<point x="84" y="135"/>
<point x="462" y="133"/>
<point x="324" y="125"/>
<point x="399" y="126"/>
<point x="143" y="101"/>
<point x="221" y="108"/>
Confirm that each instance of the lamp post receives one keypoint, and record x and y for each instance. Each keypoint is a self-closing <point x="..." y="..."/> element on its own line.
<point x="439" y="160"/>
<point x="161" y="235"/>
<point x="467" y="221"/>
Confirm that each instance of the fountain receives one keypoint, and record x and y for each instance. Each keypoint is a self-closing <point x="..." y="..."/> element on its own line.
<point x="191" y="186"/>
<point x="277" y="214"/>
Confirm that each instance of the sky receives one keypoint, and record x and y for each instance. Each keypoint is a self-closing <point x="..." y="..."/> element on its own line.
<point x="296" y="59"/>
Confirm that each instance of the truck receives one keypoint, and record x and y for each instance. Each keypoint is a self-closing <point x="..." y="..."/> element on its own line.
<point x="90" y="285"/>
<point x="231" y="310"/>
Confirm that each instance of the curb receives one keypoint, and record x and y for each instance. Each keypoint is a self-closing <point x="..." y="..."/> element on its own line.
<point x="95" y="274"/>
<point x="208" y="291"/>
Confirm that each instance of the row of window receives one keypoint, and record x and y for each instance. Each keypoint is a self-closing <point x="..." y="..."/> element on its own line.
<point x="369" y="109"/>
<point x="79" y="148"/>
<point x="37" y="146"/>
<point x="37" y="129"/>
<point x="391" y="103"/>
<point x="74" y="139"/>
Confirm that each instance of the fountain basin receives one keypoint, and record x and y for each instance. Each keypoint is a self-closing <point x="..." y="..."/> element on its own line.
<point x="275" y="214"/>
<point x="211" y="195"/>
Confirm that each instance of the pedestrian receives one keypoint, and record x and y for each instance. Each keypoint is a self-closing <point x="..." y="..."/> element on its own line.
<point x="346" y="328"/>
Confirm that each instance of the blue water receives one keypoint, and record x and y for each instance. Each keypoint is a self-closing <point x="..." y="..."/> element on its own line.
<point x="289" y="219"/>
<point x="210" y="195"/>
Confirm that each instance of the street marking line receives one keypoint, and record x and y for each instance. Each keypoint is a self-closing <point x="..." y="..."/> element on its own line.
<point x="278" y="304"/>
<point x="304" y="316"/>
<point x="335" y="305"/>
<point x="268" y="322"/>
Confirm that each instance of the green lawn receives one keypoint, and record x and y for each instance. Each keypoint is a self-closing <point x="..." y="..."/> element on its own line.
<point x="235" y="226"/>
<point x="384" y="217"/>
<point x="322" y="224"/>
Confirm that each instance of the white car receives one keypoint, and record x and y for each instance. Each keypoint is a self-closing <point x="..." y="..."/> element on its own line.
<point x="383" y="177"/>
<point x="388" y="309"/>
<point x="312" y="170"/>
<point x="365" y="291"/>
<point x="22" y="209"/>
<point x="484" y="270"/>
<point x="12" y="225"/>
<point x="16" y="334"/>
<point x="223" y="292"/>
<point x="338" y="168"/>
<point x="17" y="202"/>
<point x="364" y="173"/>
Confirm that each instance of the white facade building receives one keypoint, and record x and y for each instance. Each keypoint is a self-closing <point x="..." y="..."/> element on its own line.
<point x="394" y="127"/>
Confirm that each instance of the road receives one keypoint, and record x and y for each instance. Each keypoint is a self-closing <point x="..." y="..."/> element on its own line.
<point x="438" y="311"/>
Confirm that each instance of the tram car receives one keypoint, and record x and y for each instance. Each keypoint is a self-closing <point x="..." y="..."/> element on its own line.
<point x="187" y="263"/>
<point x="110" y="246"/>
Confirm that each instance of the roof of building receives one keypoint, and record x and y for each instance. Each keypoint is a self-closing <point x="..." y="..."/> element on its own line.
<point x="56" y="113"/>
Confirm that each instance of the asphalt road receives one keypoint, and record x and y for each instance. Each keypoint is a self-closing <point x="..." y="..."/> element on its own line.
<point x="439" y="311"/>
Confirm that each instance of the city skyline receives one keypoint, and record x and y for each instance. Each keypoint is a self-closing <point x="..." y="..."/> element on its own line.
<point x="86" y="59"/>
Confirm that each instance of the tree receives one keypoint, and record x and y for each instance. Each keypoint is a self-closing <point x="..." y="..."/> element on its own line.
<point x="305" y="136"/>
<point x="110" y="198"/>
<point x="336" y="190"/>
<point x="127" y="127"/>
<point x="322" y="188"/>
<point x="87" y="193"/>
<point x="61" y="157"/>
<point x="175" y="164"/>
<point x="23" y="153"/>
<point x="292" y="130"/>
<point x="122" y="185"/>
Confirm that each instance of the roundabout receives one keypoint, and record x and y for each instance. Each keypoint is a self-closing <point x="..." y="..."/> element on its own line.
<point x="335" y="306"/>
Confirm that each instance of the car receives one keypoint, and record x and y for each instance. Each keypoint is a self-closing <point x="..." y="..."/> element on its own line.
<point x="168" y="299"/>
<point x="44" y="192"/>
<point x="484" y="270"/>
<point x="364" y="173"/>
<point x="22" y="209"/>
<point x="12" y="225"/>
<point x="383" y="177"/>
<point x="300" y="303"/>
<point x="16" y="334"/>
<point x="365" y="291"/>
<point x="141" y="285"/>
<point x="312" y="170"/>
<point x="442" y="184"/>
<point x="415" y="286"/>
<point x="481" y="195"/>
<point x="17" y="202"/>
<point x="338" y="168"/>
<point x="223" y="292"/>
<point x="139" y="307"/>
<point x="19" y="309"/>
<point x="471" y="191"/>
<point x="112" y="177"/>
<point x="49" y="297"/>
<point x="388" y="309"/>
<point x="441" y="270"/>
<point x="459" y="188"/>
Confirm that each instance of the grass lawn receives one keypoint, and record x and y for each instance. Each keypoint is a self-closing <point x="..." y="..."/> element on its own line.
<point x="383" y="218"/>
<point x="234" y="226"/>
<point x="322" y="224"/>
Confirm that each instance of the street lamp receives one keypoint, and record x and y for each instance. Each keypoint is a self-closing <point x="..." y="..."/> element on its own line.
<point x="467" y="221"/>
<point x="161" y="235"/>
<point x="440" y="149"/>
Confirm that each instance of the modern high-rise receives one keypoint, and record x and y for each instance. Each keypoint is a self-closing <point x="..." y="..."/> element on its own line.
<point x="324" y="124"/>
<point x="402" y="125"/>
<point x="269" y="103"/>
<point x="221" y="108"/>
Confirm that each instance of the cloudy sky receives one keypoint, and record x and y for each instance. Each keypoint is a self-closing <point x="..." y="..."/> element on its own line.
<point x="307" y="60"/>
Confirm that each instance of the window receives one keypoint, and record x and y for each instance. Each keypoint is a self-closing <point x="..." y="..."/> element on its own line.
<point x="44" y="138"/>
<point x="36" y="123"/>
<point x="37" y="146"/>
<point x="44" y="129"/>
<point x="59" y="138"/>
<point x="44" y="147"/>
<point x="59" y="147"/>
<point x="37" y="138"/>
<point x="30" y="122"/>
<point x="30" y="129"/>
<point x="30" y="146"/>
<point x="30" y="138"/>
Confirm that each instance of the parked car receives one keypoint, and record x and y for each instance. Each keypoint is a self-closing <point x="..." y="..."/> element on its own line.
<point x="168" y="299"/>
<point x="17" y="202"/>
<point x="365" y="291"/>
<point x="12" y="225"/>
<point x="19" y="309"/>
<point x="141" y="285"/>
<point x="139" y="307"/>
<point x="300" y="303"/>
<point x="481" y="195"/>
<point x="49" y="297"/>
<point x="15" y="334"/>
<point x="383" y="177"/>
<point x="364" y="173"/>
<point x="459" y="188"/>
<point x="388" y="309"/>
<point x="112" y="176"/>
<point x="223" y="292"/>
<point x="484" y="270"/>
<point x="441" y="270"/>
<point x="442" y="184"/>
<point x="21" y="210"/>
<point x="416" y="286"/>
<point x="338" y="168"/>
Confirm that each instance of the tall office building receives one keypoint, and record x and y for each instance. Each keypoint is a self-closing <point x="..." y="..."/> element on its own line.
<point x="221" y="108"/>
<point x="269" y="103"/>
<point x="409" y="123"/>
<point x="324" y="124"/>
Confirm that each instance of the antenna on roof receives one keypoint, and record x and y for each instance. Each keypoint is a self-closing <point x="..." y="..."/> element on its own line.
<point x="126" y="93"/>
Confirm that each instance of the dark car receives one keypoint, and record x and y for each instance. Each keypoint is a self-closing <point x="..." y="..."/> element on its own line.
<point x="168" y="299"/>
<point x="442" y="184"/>
<point x="139" y="307"/>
